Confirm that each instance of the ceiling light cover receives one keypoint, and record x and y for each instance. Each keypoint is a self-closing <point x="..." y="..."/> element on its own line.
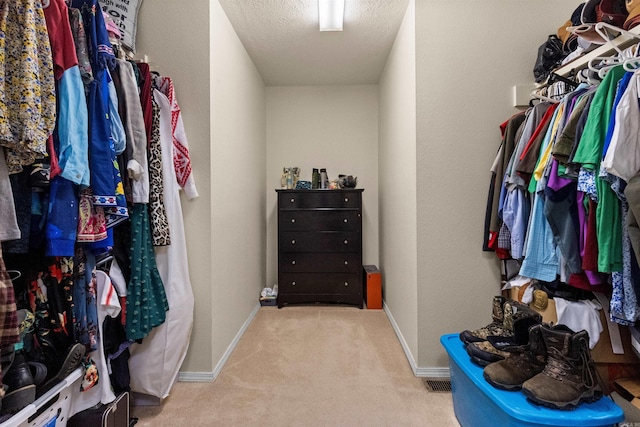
<point x="331" y="14"/>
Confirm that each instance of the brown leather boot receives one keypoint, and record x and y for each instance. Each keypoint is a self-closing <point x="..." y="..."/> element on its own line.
<point x="523" y="362"/>
<point x="569" y="377"/>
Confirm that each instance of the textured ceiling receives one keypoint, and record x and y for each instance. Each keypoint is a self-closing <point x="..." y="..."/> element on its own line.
<point x="283" y="39"/>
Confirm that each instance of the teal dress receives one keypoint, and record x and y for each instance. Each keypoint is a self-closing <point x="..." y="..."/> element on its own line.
<point x="146" y="298"/>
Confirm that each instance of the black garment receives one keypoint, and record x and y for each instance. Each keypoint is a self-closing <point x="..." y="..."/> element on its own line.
<point x="22" y="200"/>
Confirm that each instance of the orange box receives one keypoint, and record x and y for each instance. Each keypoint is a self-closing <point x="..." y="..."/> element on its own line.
<point x="372" y="287"/>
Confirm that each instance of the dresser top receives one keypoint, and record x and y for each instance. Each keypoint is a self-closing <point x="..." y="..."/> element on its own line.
<point x="339" y="190"/>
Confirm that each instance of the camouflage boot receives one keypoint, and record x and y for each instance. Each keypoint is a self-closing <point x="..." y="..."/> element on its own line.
<point x="493" y="328"/>
<point x="524" y="362"/>
<point x="569" y="377"/>
<point x="517" y="319"/>
<point x="483" y="353"/>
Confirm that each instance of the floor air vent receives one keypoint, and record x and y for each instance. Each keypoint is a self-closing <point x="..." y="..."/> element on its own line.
<point x="438" y="385"/>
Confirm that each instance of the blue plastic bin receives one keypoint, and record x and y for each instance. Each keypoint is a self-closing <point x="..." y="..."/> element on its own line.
<point x="477" y="403"/>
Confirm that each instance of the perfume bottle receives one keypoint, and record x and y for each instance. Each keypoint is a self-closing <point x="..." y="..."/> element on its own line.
<point x="324" y="180"/>
<point x="315" y="179"/>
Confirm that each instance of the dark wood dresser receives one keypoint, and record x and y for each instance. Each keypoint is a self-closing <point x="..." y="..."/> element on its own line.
<point x="320" y="246"/>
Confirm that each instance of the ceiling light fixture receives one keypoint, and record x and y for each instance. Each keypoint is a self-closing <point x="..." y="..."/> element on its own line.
<point x="331" y="14"/>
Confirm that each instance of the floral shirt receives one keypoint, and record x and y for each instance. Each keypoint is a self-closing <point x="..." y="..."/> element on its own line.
<point x="27" y="85"/>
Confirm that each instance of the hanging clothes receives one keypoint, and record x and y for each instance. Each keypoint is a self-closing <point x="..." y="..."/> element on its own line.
<point x="107" y="306"/>
<point x="27" y="90"/>
<point x="155" y="363"/>
<point x="493" y="222"/>
<point x="9" y="229"/>
<point x="146" y="297"/>
<point x="181" y="159"/>
<point x="9" y="333"/>
<point x="581" y="227"/>
<point x="589" y="155"/>
<point x="106" y="180"/>
<point x="159" y="223"/>
<point x="136" y="136"/>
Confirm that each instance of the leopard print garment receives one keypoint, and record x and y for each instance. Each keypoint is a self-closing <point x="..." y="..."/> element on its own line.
<point x="159" y="222"/>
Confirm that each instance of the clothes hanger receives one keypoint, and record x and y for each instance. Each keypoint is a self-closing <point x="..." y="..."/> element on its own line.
<point x="632" y="63"/>
<point x="628" y="57"/>
<point x="14" y="274"/>
<point x="540" y="94"/>
<point x="45" y="3"/>
<point x="587" y="76"/>
<point x="609" y="33"/>
<point x="104" y="261"/>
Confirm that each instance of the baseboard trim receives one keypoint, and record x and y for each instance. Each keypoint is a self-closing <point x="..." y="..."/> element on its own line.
<point x="196" y="377"/>
<point x="417" y="371"/>
<point x="403" y="342"/>
<point x="433" y="372"/>
<point x="211" y="376"/>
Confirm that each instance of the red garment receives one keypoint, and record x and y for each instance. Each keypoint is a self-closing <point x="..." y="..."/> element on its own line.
<point x="9" y="333"/>
<point x="501" y="253"/>
<point x="63" y="48"/>
<point x="145" y="99"/>
<point x="581" y="281"/>
<point x="542" y="125"/>
<point x="53" y="159"/>
<point x="181" y="160"/>
<point x="590" y="260"/>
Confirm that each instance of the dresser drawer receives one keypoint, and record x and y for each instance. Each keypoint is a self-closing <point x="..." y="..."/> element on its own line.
<point x="319" y="199"/>
<point x="319" y="241"/>
<point x="319" y="220"/>
<point x="319" y="284"/>
<point x="314" y="262"/>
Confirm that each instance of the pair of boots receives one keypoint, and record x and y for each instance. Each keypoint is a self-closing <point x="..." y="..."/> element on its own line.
<point x="511" y="322"/>
<point x="553" y="369"/>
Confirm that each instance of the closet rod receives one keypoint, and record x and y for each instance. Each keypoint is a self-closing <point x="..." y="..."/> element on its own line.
<point x="555" y="77"/>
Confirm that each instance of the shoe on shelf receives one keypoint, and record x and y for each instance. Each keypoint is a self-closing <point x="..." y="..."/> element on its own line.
<point x="522" y="363"/>
<point x="569" y="377"/>
<point x="21" y="391"/>
<point x="493" y="328"/>
<point x="72" y="360"/>
<point x="483" y="353"/>
<point x="517" y="318"/>
<point x="38" y="371"/>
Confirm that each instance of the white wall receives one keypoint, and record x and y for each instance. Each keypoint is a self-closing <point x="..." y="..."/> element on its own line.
<point x="465" y="74"/>
<point x="184" y="56"/>
<point x="222" y="98"/>
<point x="238" y="144"/>
<point x="397" y="175"/>
<point x="335" y="127"/>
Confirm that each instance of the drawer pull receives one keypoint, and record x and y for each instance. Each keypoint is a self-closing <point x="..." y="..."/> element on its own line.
<point x="346" y="242"/>
<point x="293" y="220"/>
<point x="293" y="242"/>
<point x="346" y="283"/>
<point x="293" y="200"/>
<point x="293" y="283"/>
<point x="346" y="199"/>
<point x="346" y="263"/>
<point x="346" y="220"/>
<point x="293" y="262"/>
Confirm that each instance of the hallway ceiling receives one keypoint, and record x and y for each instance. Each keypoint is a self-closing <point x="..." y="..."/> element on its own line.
<point x="283" y="40"/>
